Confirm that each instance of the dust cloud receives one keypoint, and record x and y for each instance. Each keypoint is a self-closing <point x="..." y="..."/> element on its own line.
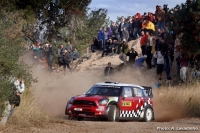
<point x="53" y="90"/>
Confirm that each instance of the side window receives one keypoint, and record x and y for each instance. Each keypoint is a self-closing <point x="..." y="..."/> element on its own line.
<point x="128" y="92"/>
<point x="138" y="92"/>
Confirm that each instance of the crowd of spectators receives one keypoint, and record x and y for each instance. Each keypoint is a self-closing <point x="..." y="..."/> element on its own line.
<point x="159" y="44"/>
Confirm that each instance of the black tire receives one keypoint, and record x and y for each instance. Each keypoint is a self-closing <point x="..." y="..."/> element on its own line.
<point x="113" y="114"/>
<point x="79" y="118"/>
<point x="148" y="114"/>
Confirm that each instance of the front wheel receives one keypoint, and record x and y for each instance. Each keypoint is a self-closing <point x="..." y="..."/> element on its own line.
<point x="113" y="114"/>
<point x="148" y="115"/>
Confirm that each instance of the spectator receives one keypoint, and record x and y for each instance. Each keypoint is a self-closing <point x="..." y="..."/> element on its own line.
<point x="140" y="62"/>
<point x="69" y="47"/>
<point x="75" y="55"/>
<point x="149" y="55"/>
<point x="136" y="26"/>
<point x="124" y="50"/>
<point x="107" y="48"/>
<point x="60" y="55"/>
<point x="106" y="37"/>
<point x="108" y="70"/>
<point x="153" y="51"/>
<point x="50" y="56"/>
<point x="114" y="29"/>
<point x="143" y="42"/>
<point x="13" y="101"/>
<point x="132" y="54"/>
<point x="150" y="26"/>
<point x="110" y="33"/>
<point x="101" y="37"/>
<point x="184" y="60"/>
<point x="160" y="64"/>
<point x="125" y="34"/>
<point x="95" y="44"/>
<point x="114" y="47"/>
<point x="161" y="18"/>
<point x="66" y="61"/>
<point x="121" y="27"/>
<point x="168" y="64"/>
<point x="178" y="66"/>
<point x="114" y="38"/>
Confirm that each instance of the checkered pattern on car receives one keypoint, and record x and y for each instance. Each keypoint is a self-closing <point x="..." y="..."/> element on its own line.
<point x="134" y="113"/>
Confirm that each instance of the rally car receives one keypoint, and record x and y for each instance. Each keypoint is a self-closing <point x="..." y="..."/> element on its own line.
<point x="113" y="101"/>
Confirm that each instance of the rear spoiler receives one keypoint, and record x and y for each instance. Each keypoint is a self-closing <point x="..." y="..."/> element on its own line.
<point x="148" y="91"/>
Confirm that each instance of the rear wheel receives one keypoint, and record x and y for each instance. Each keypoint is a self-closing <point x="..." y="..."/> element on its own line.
<point x="113" y="114"/>
<point x="148" y="115"/>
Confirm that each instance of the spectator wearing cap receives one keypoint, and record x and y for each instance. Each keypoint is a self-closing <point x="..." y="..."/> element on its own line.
<point x="60" y="54"/>
<point x="132" y="54"/>
<point x="108" y="70"/>
<point x="140" y="62"/>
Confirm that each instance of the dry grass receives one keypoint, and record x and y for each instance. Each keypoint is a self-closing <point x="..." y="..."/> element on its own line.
<point x="28" y="114"/>
<point x="186" y="97"/>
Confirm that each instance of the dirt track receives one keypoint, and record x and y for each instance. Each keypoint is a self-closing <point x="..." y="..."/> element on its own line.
<point x="110" y="127"/>
<point x="53" y="90"/>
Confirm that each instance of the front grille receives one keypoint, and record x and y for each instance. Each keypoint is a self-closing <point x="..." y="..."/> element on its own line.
<point x="83" y="113"/>
<point x="84" y="102"/>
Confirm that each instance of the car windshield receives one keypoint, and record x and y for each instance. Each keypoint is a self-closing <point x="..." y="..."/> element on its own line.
<point x="105" y="90"/>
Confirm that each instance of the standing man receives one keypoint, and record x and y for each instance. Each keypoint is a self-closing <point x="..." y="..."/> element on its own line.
<point x="69" y="47"/>
<point x="50" y="56"/>
<point x="121" y="26"/>
<point x="161" y="18"/>
<point x="66" y="61"/>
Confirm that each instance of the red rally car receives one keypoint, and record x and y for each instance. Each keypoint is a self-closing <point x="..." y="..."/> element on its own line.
<point x="114" y="101"/>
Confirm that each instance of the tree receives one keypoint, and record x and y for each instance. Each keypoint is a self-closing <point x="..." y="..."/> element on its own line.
<point x="11" y="49"/>
<point x="186" y="25"/>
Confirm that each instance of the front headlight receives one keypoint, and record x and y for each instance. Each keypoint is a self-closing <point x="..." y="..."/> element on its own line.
<point x="103" y="101"/>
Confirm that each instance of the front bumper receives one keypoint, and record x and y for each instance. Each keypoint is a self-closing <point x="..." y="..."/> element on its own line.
<point x="86" y="111"/>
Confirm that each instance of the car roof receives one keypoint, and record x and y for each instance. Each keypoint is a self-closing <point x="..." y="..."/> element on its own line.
<point x="118" y="84"/>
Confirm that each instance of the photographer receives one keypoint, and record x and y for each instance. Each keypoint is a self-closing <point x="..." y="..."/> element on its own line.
<point x="13" y="101"/>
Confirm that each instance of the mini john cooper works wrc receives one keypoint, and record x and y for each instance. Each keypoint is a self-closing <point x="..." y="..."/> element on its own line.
<point x="113" y="101"/>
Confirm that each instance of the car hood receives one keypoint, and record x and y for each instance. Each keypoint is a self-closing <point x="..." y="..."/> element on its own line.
<point x="89" y="97"/>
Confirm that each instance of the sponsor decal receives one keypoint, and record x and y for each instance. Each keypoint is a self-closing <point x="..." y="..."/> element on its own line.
<point x="126" y="103"/>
